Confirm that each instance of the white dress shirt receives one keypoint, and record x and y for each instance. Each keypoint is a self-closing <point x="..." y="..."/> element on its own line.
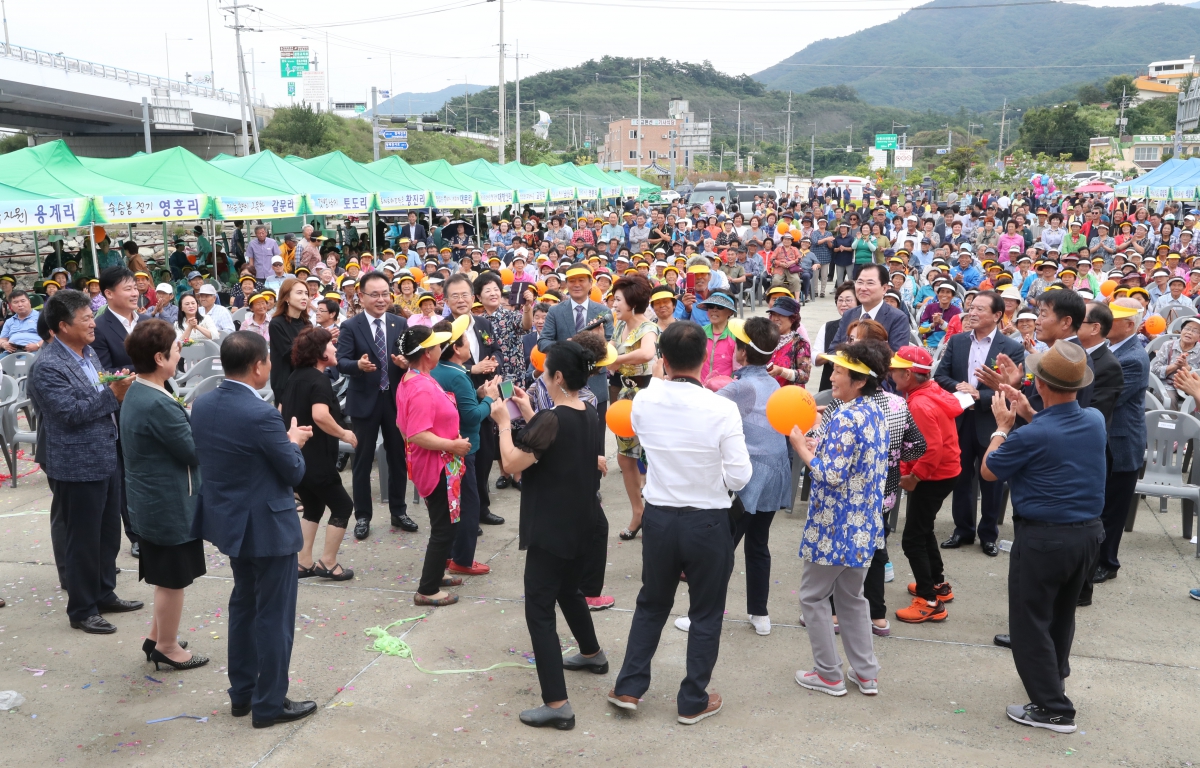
<point x="977" y="357"/>
<point x="693" y="461"/>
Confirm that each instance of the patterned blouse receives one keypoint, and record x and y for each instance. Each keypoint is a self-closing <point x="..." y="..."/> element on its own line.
<point x="793" y="354"/>
<point x="507" y="324"/>
<point x="845" y="520"/>
<point x="905" y="441"/>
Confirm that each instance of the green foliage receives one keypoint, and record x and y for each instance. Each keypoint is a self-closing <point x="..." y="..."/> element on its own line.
<point x="835" y="93"/>
<point x="533" y="150"/>
<point x="1154" y="116"/>
<point x="1118" y="86"/>
<point x="13" y="142"/>
<point x="1091" y="94"/>
<point x="301" y="131"/>
<point x="1001" y="36"/>
<point x="1056" y="130"/>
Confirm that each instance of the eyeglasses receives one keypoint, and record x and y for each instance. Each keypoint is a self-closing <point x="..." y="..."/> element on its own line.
<point x="377" y="295"/>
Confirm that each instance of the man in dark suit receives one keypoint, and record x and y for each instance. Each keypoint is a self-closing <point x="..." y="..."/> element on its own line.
<point x="1126" y="439"/>
<point x="459" y="293"/>
<point x="79" y="436"/>
<point x="365" y="349"/>
<point x="248" y="511"/>
<point x="571" y="316"/>
<point x="112" y="326"/>
<point x="413" y="231"/>
<point x="965" y="355"/>
<point x="869" y="287"/>
<point x="1109" y="381"/>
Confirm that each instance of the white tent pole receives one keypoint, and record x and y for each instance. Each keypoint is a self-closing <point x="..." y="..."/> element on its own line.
<point x="95" y="260"/>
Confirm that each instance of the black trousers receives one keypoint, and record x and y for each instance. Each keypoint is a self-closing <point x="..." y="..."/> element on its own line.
<point x="91" y="516"/>
<point x="489" y="449"/>
<point x="1118" y="498"/>
<point x="918" y="541"/>
<point x="125" y="524"/>
<point x="675" y="540"/>
<point x="1047" y="568"/>
<point x="991" y="494"/>
<point x="467" y="527"/>
<point x="58" y="533"/>
<point x="367" y="430"/>
<point x="441" y="538"/>
<point x="262" y="620"/>
<point x="595" y="560"/>
<point x="550" y="579"/>
<point x="756" y="529"/>
<point x="317" y="496"/>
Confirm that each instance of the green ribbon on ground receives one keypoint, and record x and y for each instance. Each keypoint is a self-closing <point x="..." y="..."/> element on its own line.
<point x="389" y="645"/>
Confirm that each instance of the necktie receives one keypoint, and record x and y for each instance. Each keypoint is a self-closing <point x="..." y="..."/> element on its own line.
<point x="579" y="317"/>
<point x="381" y="348"/>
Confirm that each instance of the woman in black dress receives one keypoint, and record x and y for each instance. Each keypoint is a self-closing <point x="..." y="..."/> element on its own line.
<point x="556" y="453"/>
<point x="291" y="317"/>
<point x="308" y="398"/>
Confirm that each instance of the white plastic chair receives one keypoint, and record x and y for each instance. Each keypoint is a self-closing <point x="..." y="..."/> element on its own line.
<point x="1158" y="341"/>
<point x="1181" y="314"/>
<point x="203" y="388"/>
<point x="198" y="372"/>
<point x="1169" y="435"/>
<point x="198" y="350"/>
<point x="1159" y="390"/>
<point x="17" y="364"/>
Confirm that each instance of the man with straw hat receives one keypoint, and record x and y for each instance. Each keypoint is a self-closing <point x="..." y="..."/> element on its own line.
<point x="1057" y="522"/>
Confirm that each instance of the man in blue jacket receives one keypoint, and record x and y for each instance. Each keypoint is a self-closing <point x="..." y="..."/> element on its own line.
<point x="248" y="511"/>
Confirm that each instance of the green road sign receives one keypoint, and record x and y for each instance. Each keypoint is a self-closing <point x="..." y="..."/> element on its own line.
<point x="360" y="108"/>
<point x="291" y="89"/>
<point x="885" y="141"/>
<point x="292" y="67"/>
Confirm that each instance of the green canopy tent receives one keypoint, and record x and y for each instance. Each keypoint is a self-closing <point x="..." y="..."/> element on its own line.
<point x="605" y="187"/>
<point x="631" y="181"/>
<point x="559" y="191"/>
<point x="489" y="194"/>
<point x="321" y="197"/>
<point x="524" y="193"/>
<point x="178" y="170"/>
<point x="338" y="168"/>
<point x="563" y="176"/>
<point x="445" y="195"/>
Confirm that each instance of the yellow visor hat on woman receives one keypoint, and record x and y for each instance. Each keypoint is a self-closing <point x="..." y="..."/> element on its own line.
<point x="840" y="358"/>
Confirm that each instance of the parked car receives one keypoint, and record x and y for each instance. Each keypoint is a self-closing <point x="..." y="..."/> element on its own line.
<point x="723" y="192"/>
<point x="668" y="195"/>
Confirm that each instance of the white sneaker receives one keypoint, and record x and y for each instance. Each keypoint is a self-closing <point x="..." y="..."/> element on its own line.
<point x="889" y="574"/>
<point x="683" y="623"/>
<point x="762" y="624"/>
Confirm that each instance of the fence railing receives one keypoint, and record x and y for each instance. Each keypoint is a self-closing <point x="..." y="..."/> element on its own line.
<point x="84" y="67"/>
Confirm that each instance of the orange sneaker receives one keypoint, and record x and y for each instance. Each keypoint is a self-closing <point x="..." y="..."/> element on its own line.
<point x="943" y="591"/>
<point x="921" y="611"/>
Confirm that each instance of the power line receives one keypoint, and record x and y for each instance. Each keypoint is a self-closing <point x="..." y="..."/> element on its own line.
<point x="692" y="5"/>
<point x="378" y="19"/>
<point x="956" y="66"/>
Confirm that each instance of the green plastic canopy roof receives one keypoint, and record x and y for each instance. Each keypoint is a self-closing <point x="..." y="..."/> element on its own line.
<point x="559" y="190"/>
<point x="586" y="188"/>
<point x="52" y="169"/>
<point x="445" y="195"/>
<point x="321" y="197"/>
<point x="488" y="193"/>
<point x="338" y="168"/>
<point x="524" y="193"/>
<point x="177" y="170"/>
<point x="631" y="181"/>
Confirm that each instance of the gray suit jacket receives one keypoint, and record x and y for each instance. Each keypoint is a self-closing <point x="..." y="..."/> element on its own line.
<point x="894" y="320"/>
<point x="1127" y="430"/>
<point x="560" y="326"/>
<point x="78" y="433"/>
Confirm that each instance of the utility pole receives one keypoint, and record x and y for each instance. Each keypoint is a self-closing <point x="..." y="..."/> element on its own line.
<point x="146" y="123"/>
<point x="1000" y="144"/>
<point x="738" y="151"/>
<point x="639" y="121"/>
<point x="502" y="118"/>
<point x="4" y="13"/>
<point x="787" y="148"/>
<point x="243" y="84"/>
<point x="517" y="102"/>
<point x="375" y="122"/>
<point x="212" y="62"/>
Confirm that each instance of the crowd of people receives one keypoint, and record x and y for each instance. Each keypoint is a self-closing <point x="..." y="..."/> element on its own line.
<point x="974" y="356"/>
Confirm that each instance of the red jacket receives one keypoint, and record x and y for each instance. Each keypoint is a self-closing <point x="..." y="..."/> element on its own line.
<point x="934" y="411"/>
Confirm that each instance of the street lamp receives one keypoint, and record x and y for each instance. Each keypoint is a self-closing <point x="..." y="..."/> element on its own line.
<point x="167" y="47"/>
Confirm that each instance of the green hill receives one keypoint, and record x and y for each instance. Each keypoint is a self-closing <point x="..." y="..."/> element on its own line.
<point x="1027" y="34"/>
<point x="596" y="92"/>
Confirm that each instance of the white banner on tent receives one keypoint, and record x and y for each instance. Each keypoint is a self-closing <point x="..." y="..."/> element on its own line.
<point x="530" y="196"/>
<point x="631" y="191"/>
<point x="562" y="193"/>
<point x="257" y="207"/>
<point x="1159" y="193"/>
<point x="390" y="201"/>
<point x="607" y="191"/>
<point x="1183" y="193"/>
<point x="454" y="199"/>
<point x="120" y="209"/>
<point x="331" y="205"/>
<point x="16" y="215"/>
<point x="498" y="197"/>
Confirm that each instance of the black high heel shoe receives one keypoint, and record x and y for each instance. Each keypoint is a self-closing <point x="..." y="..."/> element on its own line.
<point x="159" y="658"/>
<point x="628" y="535"/>
<point x="148" y="647"/>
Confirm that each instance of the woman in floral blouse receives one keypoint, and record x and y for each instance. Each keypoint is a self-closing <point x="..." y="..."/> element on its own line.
<point x="845" y="520"/>
<point x="792" y="361"/>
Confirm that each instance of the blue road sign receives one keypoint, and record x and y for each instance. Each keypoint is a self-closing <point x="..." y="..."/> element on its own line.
<point x="395" y="145"/>
<point x="387" y="134"/>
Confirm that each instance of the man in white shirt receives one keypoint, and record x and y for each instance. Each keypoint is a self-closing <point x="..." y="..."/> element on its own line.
<point x="693" y="464"/>
<point x="220" y="316"/>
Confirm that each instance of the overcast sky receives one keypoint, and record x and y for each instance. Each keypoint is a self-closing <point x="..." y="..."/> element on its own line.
<point x="436" y="43"/>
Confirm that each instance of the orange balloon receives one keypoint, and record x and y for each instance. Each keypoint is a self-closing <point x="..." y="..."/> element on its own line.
<point x="506" y="276"/>
<point x="1107" y="287"/>
<point x="100" y="234"/>
<point x="537" y="358"/>
<point x="1155" y="324"/>
<point x="781" y="228"/>
<point x="541" y="288"/>
<point x="417" y="273"/>
<point x="618" y="418"/>
<point x="595" y="294"/>
<point x="791" y="407"/>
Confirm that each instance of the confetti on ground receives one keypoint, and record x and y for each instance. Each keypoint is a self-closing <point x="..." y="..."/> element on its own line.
<point x="151" y="679"/>
<point x="959" y="711"/>
<point x="197" y="718"/>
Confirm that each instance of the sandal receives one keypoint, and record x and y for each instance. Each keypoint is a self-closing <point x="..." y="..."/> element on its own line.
<point x="325" y="573"/>
<point x="628" y="535"/>
<point x="419" y="599"/>
<point x="306" y="573"/>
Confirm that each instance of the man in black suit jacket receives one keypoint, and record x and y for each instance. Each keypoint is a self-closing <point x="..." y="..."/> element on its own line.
<point x="965" y="354"/>
<point x="413" y="231"/>
<point x="1109" y="380"/>
<point x="869" y="287"/>
<point x="483" y="365"/>
<point x="366" y="348"/>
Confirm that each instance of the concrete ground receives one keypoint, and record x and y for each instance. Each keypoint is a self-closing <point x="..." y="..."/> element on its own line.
<point x="943" y="687"/>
